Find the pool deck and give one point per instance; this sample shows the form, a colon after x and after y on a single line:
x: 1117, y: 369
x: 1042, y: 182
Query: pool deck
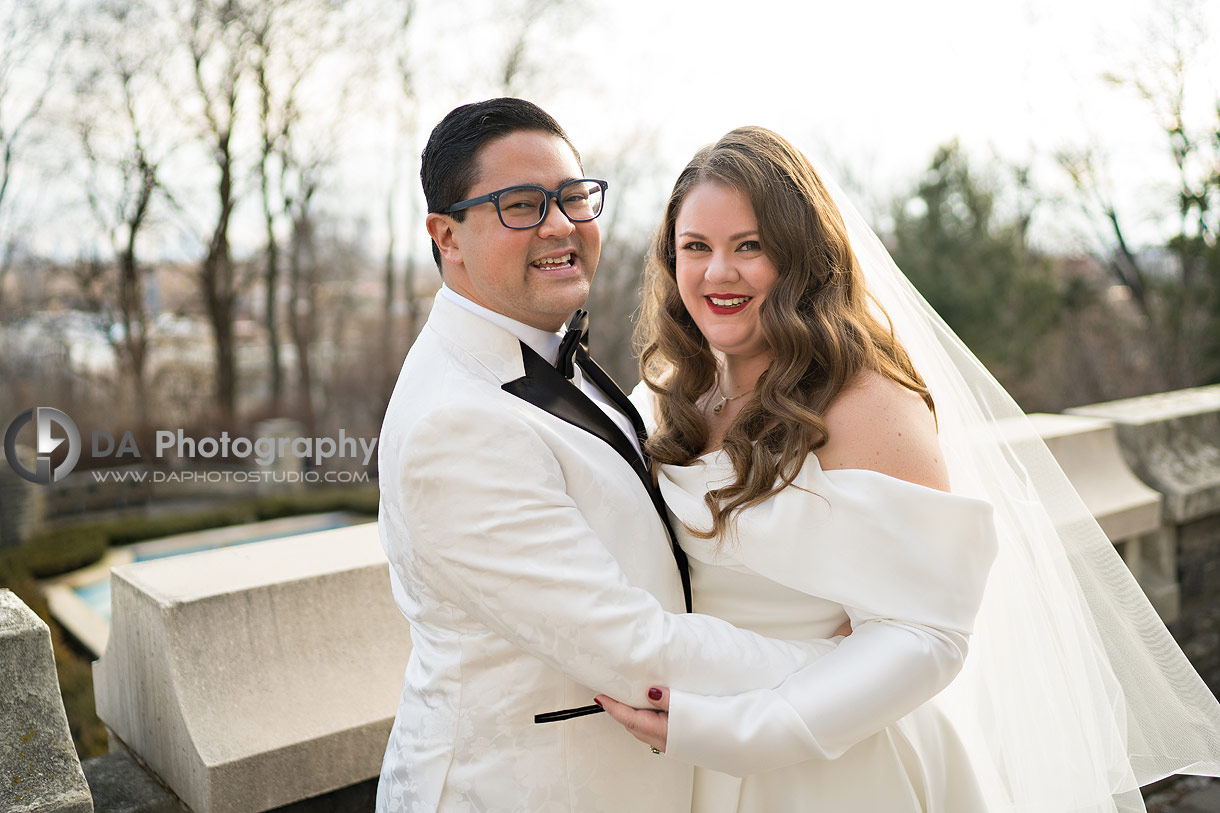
x: 93, y: 630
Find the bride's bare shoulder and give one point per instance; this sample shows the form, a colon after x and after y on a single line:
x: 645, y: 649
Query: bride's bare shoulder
x: 880, y: 425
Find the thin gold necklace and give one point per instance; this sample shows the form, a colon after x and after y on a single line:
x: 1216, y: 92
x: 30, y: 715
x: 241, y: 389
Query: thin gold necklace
x: 724, y: 399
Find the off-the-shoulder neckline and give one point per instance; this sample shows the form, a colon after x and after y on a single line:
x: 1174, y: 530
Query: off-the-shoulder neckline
x: 709, y: 456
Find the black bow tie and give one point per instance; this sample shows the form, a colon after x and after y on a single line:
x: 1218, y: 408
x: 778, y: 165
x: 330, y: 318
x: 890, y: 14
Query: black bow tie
x: 575, y: 341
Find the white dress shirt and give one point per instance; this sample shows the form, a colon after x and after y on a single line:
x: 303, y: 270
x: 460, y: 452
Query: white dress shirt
x: 546, y: 344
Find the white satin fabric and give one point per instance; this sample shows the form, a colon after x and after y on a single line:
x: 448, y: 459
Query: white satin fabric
x: 860, y: 729
x: 1074, y: 694
x: 535, y: 573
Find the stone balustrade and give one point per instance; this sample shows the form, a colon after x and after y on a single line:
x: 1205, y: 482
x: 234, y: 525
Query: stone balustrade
x: 1172, y: 442
x: 249, y: 678
x: 22, y: 503
x: 1087, y: 449
x: 39, y: 770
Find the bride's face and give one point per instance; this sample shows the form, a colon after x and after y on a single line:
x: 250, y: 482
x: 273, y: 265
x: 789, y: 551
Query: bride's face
x: 723, y: 275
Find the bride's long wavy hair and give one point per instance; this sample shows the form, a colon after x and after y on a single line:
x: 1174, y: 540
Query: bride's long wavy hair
x: 818, y: 320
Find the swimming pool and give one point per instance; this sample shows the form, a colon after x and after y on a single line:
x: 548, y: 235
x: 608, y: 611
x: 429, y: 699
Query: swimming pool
x: 80, y: 601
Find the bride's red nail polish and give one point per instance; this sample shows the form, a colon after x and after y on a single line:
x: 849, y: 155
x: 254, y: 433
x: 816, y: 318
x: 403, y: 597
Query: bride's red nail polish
x: 654, y: 694
x: 598, y: 702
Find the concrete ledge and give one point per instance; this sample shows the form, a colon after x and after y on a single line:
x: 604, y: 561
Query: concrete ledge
x: 1172, y: 442
x: 39, y: 769
x: 1087, y: 450
x: 93, y: 630
x: 252, y: 677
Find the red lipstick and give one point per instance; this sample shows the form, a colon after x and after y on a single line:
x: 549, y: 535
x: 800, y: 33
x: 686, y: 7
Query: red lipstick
x: 726, y: 310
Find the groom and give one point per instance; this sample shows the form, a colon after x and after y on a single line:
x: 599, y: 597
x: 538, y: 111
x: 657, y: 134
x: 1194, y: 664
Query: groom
x: 527, y: 543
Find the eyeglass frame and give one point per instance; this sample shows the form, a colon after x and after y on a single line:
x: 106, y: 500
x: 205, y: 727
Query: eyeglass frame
x: 547, y: 194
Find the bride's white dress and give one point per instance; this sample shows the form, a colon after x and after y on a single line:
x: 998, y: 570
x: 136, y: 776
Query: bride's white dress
x: 860, y: 730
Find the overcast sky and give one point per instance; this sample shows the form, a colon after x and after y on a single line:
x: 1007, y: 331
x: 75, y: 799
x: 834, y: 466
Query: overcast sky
x: 869, y: 89
x: 874, y: 87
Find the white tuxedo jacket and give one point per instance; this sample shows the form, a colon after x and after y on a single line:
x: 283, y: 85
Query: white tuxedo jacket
x: 535, y: 573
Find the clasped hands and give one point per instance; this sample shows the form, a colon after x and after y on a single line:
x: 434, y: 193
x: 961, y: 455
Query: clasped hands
x: 651, y: 726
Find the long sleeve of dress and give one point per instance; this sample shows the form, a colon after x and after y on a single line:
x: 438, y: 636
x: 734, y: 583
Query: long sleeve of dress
x: 907, y: 563
x: 499, y: 540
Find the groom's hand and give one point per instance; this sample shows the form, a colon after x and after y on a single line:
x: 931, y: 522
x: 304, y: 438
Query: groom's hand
x: 647, y: 726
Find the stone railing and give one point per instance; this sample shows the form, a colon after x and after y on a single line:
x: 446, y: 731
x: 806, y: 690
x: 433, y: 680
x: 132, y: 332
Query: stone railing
x: 38, y: 765
x: 1172, y: 442
x: 249, y: 678
x: 1087, y: 449
x: 253, y: 676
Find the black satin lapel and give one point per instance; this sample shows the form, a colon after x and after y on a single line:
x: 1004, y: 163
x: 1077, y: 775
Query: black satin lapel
x: 546, y: 388
x: 615, y: 393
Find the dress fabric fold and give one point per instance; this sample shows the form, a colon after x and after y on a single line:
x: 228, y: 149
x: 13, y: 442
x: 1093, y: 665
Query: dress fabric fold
x: 907, y: 565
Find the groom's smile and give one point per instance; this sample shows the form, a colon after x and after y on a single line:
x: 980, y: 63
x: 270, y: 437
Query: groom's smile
x: 557, y: 263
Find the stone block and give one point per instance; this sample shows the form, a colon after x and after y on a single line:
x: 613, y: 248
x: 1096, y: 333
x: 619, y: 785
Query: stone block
x: 39, y: 769
x: 1191, y: 580
x: 1172, y: 442
x: 1199, y: 539
x: 1211, y: 579
x: 1088, y: 452
x: 22, y: 503
x: 1203, y: 800
x: 1153, y: 560
x: 1128, y: 511
x: 251, y: 677
x: 121, y: 785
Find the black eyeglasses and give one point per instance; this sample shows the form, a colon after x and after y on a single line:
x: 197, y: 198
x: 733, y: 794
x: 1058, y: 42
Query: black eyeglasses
x: 524, y: 207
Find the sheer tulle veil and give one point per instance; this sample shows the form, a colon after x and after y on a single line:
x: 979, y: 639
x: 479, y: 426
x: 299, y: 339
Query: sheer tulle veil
x: 1074, y: 693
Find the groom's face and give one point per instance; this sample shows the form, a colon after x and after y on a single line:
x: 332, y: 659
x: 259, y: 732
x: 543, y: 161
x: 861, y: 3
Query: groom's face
x: 539, y: 275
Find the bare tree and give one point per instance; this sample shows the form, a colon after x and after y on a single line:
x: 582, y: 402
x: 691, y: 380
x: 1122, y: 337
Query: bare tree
x: 289, y: 41
x: 407, y: 125
x: 1175, y: 288
x: 275, y: 121
x: 218, y: 45
x: 32, y: 45
x: 124, y: 145
x: 524, y: 22
x: 614, y: 297
x: 302, y: 270
x: 305, y: 157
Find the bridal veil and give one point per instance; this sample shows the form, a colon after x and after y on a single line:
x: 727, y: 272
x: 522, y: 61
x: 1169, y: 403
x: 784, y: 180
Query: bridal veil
x: 1074, y: 693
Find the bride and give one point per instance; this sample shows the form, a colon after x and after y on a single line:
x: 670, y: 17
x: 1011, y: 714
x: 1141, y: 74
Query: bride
x: 831, y: 453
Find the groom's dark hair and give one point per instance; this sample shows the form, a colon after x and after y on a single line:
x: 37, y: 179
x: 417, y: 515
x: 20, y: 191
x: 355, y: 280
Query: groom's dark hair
x: 449, y: 165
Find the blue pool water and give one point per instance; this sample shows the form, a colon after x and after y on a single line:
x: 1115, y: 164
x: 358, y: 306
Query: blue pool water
x: 97, y: 594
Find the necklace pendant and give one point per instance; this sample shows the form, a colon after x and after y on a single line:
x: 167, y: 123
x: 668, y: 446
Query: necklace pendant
x: 716, y: 410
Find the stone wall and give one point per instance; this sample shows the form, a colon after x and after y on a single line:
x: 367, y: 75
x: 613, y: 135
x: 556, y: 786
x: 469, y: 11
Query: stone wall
x: 1171, y: 441
x: 1198, y: 628
x: 39, y: 770
x: 21, y: 505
